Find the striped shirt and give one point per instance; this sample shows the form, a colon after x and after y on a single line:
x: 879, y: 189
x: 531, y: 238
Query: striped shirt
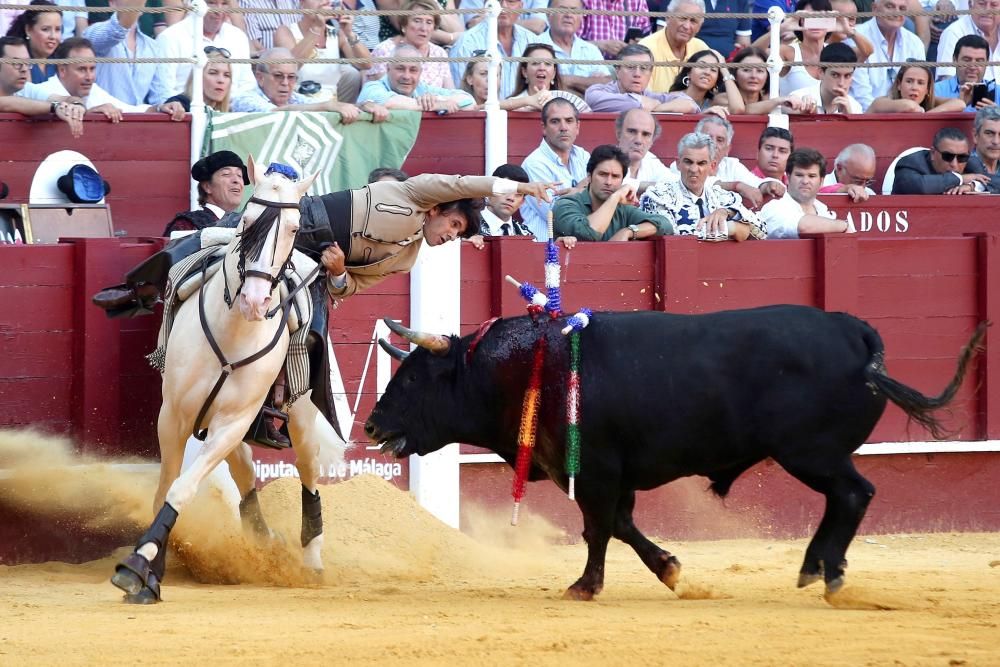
x: 261, y: 27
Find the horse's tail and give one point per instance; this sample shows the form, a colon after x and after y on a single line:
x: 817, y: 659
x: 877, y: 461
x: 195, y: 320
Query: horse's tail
x: 918, y: 407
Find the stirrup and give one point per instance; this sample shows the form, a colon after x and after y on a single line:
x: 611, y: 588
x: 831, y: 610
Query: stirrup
x: 264, y: 433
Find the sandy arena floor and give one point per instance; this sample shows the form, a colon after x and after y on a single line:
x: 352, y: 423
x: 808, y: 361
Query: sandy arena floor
x: 401, y: 588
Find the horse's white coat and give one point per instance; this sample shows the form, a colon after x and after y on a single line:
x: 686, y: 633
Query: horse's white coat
x: 192, y: 370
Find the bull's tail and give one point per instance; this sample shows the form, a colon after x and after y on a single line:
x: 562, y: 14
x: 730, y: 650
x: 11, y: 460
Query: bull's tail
x: 918, y: 407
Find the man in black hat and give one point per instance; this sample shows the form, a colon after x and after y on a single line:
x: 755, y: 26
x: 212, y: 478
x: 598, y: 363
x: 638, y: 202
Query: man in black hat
x: 221, y: 179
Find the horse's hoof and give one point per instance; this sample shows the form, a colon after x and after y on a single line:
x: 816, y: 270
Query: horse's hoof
x: 128, y: 581
x: 578, y: 594
x: 144, y: 596
x: 806, y: 578
x: 313, y: 575
x: 671, y: 573
x: 834, y: 585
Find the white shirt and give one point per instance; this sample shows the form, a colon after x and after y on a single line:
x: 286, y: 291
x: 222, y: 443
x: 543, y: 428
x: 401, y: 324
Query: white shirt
x: 652, y: 170
x: 781, y: 216
x: 175, y: 42
x: 797, y: 77
x: 97, y: 97
x: 962, y: 26
x: 813, y: 91
x: 730, y: 169
x: 872, y: 82
x: 493, y: 225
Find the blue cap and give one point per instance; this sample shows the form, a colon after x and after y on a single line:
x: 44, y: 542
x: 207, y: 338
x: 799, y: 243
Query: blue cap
x: 283, y: 169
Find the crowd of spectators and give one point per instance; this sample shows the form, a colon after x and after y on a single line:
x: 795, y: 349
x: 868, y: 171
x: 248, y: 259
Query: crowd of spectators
x: 703, y: 192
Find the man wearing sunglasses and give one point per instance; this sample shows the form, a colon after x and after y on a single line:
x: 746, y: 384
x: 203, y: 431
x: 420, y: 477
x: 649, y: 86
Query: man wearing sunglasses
x: 219, y: 38
x: 943, y: 169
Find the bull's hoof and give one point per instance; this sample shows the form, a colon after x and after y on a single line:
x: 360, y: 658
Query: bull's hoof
x: 671, y: 572
x: 144, y: 596
x: 806, y: 578
x: 834, y: 585
x: 578, y: 594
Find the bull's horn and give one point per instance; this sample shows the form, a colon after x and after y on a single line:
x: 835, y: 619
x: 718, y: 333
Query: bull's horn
x: 392, y: 350
x: 436, y: 343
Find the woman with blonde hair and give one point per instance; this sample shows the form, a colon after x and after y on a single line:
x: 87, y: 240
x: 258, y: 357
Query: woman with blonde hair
x: 417, y: 30
x: 325, y: 35
x: 912, y: 91
x: 216, y: 83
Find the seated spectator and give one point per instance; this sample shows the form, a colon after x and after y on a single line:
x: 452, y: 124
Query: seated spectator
x: 78, y: 80
x: 218, y: 36
x: 986, y: 157
x: 446, y: 34
x: 216, y: 84
x: 475, y: 82
x: 983, y: 25
x: 912, y: 92
x: 120, y: 37
x: 556, y: 160
x: 512, y: 40
x: 538, y: 81
x: 387, y: 174
x: 892, y: 42
x: 970, y: 56
x: 42, y: 30
x: 221, y: 178
x: 608, y: 33
x: 944, y: 169
x: 313, y: 36
x: 535, y: 22
x: 260, y: 28
x: 753, y: 84
x: 799, y: 212
x: 800, y: 43
x: 697, y: 207
x: 630, y: 89
x: 675, y: 42
x: 562, y: 36
x: 853, y: 173
x: 416, y: 31
x: 276, y: 92
x: 730, y: 173
x: 605, y: 211
x: 636, y: 130
x: 366, y: 27
x: 14, y: 78
x: 773, y: 148
x: 402, y: 89
x: 699, y: 82
x: 832, y: 92
x: 499, y: 214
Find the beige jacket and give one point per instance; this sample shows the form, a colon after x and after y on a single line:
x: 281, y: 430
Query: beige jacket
x: 387, y: 221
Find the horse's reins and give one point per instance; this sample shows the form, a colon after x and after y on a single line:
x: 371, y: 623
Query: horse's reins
x: 284, y: 306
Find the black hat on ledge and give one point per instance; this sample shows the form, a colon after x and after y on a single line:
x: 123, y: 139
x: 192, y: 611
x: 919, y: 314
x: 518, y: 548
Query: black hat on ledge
x: 204, y: 168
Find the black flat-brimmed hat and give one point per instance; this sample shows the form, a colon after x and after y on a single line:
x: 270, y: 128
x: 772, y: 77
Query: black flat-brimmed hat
x: 83, y: 185
x: 204, y: 168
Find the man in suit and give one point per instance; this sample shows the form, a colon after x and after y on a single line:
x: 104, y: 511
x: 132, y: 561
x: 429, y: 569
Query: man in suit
x: 943, y: 169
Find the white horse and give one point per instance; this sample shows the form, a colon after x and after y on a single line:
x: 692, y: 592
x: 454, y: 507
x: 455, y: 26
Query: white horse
x: 250, y: 347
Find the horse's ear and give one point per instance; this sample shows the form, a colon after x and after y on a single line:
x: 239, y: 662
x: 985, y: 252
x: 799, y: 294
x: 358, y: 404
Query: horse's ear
x: 306, y: 183
x: 252, y: 169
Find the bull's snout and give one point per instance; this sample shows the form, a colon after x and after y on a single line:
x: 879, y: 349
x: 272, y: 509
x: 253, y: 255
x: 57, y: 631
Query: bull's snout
x: 370, y: 429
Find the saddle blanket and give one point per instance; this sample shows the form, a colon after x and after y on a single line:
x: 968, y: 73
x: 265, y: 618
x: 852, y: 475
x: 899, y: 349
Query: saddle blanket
x: 185, y: 280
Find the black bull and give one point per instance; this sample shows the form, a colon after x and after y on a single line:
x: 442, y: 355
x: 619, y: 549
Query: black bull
x: 663, y: 397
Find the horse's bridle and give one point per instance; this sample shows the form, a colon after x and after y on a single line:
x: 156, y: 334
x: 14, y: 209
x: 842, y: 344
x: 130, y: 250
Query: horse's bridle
x: 284, y: 306
x: 269, y: 211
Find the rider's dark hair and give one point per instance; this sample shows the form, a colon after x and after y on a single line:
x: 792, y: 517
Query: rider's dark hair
x: 472, y: 209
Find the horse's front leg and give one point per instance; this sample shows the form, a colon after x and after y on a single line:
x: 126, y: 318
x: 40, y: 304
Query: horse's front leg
x: 140, y: 573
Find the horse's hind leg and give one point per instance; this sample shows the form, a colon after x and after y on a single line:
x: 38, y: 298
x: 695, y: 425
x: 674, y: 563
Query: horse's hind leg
x: 240, y: 462
x: 303, y: 425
